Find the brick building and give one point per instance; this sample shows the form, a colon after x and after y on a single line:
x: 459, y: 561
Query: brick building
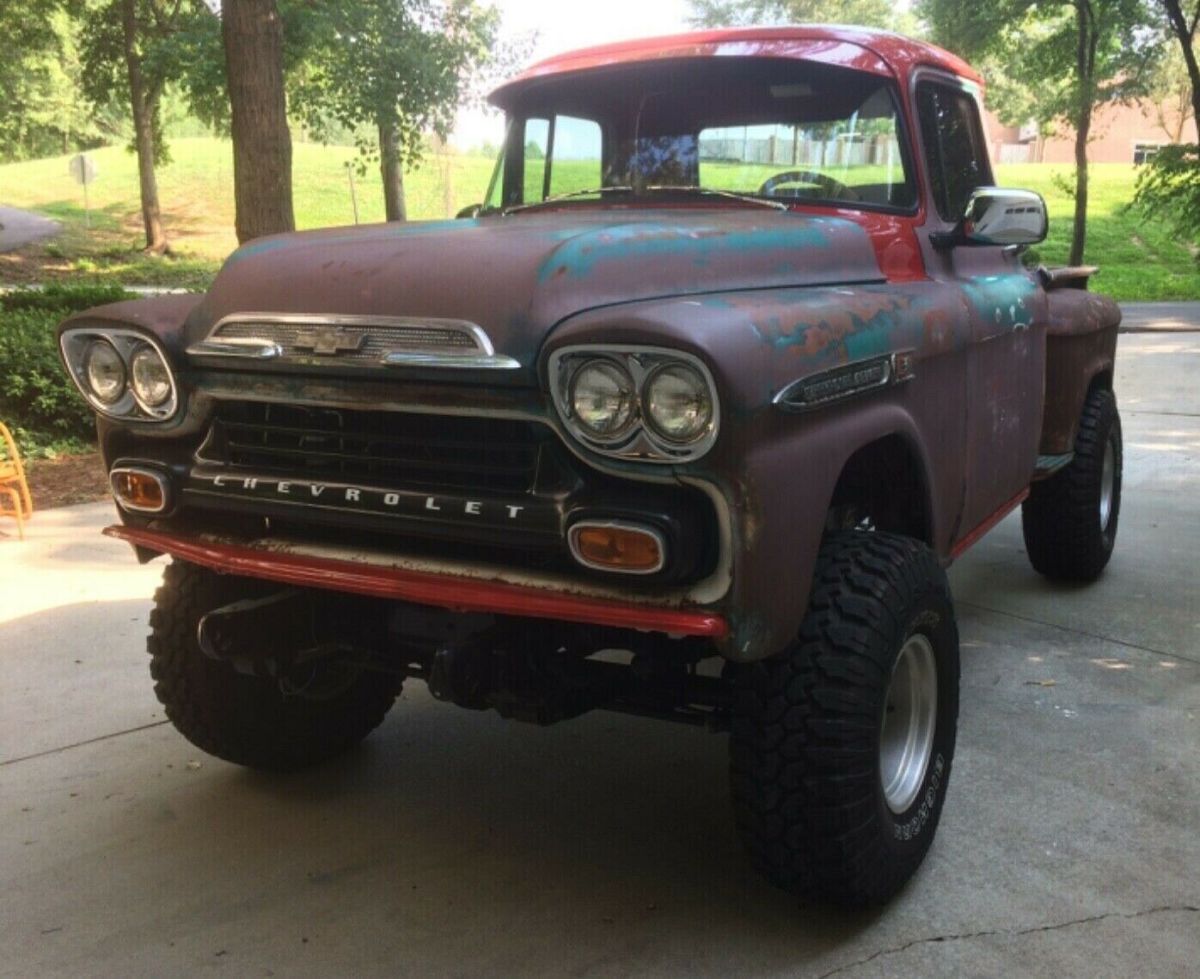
x: 1120, y: 134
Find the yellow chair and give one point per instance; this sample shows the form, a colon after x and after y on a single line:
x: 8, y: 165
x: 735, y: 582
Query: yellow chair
x: 15, y: 500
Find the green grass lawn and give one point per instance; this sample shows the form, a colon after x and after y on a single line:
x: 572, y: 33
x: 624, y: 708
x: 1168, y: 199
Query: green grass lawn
x: 196, y: 192
x: 1140, y: 258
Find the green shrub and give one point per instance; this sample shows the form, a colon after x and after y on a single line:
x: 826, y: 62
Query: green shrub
x: 37, y: 399
x: 1168, y: 186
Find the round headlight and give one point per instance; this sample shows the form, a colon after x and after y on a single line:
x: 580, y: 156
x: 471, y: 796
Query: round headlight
x: 150, y: 378
x: 679, y: 405
x: 602, y: 398
x: 105, y: 371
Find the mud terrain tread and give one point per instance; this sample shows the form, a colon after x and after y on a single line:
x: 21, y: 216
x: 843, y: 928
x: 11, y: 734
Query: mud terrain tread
x: 804, y: 744
x: 242, y: 719
x: 1060, y: 520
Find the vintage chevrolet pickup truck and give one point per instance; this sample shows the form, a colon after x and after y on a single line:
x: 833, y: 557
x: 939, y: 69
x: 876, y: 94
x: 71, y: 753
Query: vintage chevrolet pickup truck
x: 686, y: 419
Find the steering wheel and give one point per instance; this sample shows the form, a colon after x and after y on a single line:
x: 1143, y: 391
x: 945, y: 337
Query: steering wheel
x: 834, y: 189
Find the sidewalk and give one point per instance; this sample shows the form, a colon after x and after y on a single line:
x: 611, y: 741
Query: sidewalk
x: 19, y: 228
x: 1169, y: 317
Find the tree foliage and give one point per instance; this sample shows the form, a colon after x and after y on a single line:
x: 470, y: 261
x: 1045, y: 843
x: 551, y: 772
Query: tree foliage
x: 1170, y: 95
x: 392, y: 70
x: 1182, y: 22
x: 41, y: 109
x: 864, y: 13
x: 1060, y: 60
x: 1168, y: 187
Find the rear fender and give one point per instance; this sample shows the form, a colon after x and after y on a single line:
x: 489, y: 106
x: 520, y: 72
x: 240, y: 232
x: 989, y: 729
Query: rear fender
x: 1081, y: 346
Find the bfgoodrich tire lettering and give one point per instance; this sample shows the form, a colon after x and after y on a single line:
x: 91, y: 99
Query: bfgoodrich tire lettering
x: 1070, y: 519
x: 805, y: 749
x: 247, y: 719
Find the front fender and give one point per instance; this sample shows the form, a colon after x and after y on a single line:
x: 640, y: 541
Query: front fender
x: 776, y: 470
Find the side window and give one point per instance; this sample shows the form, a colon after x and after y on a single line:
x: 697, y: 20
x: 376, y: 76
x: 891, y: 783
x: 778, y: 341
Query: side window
x: 537, y: 144
x: 575, y: 160
x: 955, y: 150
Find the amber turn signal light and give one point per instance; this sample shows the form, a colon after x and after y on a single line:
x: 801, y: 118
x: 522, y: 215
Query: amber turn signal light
x: 621, y: 547
x: 139, y: 489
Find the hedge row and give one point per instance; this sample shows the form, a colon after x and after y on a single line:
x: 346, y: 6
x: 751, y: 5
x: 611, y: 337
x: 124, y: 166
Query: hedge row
x: 37, y: 399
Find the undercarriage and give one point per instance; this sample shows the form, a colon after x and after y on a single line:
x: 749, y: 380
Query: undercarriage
x: 314, y: 643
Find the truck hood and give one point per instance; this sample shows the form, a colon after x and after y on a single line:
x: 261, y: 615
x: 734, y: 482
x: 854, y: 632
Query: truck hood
x: 517, y: 276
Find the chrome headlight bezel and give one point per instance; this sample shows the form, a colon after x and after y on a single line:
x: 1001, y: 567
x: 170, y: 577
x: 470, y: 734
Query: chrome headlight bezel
x: 74, y: 344
x: 639, y: 441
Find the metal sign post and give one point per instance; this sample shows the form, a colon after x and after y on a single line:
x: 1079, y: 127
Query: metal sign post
x: 83, y: 169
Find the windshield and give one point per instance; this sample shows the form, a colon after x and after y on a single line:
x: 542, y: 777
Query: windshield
x: 775, y: 129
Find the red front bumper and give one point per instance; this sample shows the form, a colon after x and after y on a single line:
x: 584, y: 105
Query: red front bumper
x: 422, y: 588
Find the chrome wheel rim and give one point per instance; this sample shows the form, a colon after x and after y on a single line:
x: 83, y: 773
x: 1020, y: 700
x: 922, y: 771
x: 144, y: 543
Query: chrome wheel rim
x: 1108, y: 483
x: 909, y: 721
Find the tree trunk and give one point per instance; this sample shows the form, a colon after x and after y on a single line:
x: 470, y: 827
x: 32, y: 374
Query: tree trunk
x: 1085, y: 61
x: 262, y: 145
x: 1186, y: 38
x: 143, y: 102
x: 393, y: 174
x: 1083, y: 124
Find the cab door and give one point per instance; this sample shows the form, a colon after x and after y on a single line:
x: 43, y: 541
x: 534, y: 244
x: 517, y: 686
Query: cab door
x: 1001, y: 301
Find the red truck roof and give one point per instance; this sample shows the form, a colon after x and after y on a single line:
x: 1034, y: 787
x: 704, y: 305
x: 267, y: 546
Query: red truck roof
x: 880, y: 52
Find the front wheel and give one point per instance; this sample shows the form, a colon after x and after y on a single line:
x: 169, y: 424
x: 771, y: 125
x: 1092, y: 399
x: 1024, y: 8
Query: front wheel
x: 841, y: 744
x: 252, y: 720
x: 1070, y: 520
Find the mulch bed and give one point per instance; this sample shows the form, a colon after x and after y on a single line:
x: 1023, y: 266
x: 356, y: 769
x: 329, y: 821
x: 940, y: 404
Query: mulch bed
x: 66, y: 480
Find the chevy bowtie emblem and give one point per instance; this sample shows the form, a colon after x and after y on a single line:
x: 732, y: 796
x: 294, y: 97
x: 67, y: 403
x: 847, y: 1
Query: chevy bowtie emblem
x: 328, y: 341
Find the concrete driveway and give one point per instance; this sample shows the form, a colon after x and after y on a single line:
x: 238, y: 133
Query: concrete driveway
x: 453, y: 843
x: 19, y: 228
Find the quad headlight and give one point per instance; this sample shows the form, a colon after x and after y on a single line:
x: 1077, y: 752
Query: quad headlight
x: 640, y: 403
x: 122, y: 373
x: 105, y: 371
x: 603, y: 398
x: 678, y: 402
x: 151, y: 378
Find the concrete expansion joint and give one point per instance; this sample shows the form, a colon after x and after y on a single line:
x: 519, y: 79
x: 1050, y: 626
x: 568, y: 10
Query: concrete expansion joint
x: 79, y: 744
x: 1080, y: 632
x: 1012, y: 933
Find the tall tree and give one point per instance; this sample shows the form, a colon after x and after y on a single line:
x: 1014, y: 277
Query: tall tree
x: 1170, y: 96
x: 127, y: 55
x: 1064, y: 57
x: 262, y: 144
x: 1183, y: 24
x: 400, y: 67
x: 864, y: 13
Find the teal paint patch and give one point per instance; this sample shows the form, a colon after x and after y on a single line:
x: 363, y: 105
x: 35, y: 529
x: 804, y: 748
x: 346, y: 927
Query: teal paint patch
x: 581, y: 254
x: 1002, y: 301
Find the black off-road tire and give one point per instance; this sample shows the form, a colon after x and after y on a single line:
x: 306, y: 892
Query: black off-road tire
x: 805, y: 752
x: 1066, y: 535
x: 248, y: 720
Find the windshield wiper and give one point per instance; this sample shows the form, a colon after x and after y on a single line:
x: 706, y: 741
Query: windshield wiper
x: 710, y: 191
x: 598, y: 191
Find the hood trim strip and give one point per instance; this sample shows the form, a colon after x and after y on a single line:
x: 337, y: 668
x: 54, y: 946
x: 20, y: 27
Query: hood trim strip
x: 476, y: 353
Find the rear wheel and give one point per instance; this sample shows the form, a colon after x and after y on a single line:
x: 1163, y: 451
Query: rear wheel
x: 841, y: 744
x: 262, y: 722
x: 1070, y: 519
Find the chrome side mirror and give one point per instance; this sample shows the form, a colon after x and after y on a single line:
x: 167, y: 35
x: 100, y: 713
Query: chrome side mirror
x: 996, y: 216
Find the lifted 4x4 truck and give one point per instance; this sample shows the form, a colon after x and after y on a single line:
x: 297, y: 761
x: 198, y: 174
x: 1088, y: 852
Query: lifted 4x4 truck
x: 686, y: 419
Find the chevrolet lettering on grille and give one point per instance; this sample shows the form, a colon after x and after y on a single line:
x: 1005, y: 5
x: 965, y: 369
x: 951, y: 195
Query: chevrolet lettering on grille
x: 329, y: 341
x: 375, y: 500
